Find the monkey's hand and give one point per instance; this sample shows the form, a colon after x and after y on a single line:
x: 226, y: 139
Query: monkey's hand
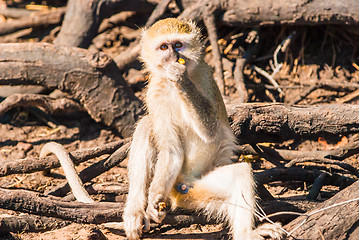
x: 157, y: 207
x: 175, y: 70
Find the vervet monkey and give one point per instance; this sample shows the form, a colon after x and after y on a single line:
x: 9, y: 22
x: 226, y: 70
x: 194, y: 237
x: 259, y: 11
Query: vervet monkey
x: 181, y: 149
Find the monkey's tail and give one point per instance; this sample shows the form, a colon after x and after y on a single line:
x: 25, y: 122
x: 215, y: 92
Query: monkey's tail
x: 68, y: 166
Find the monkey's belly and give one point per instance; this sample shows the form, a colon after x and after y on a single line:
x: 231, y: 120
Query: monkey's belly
x: 198, y: 159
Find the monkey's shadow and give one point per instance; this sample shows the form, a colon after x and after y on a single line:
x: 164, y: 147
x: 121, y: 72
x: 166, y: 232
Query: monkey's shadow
x: 161, y: 234
x: 207, y: 236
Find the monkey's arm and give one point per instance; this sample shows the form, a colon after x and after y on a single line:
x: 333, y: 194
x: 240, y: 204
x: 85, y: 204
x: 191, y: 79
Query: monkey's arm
x: 169, y: 163
x: 199, y: 110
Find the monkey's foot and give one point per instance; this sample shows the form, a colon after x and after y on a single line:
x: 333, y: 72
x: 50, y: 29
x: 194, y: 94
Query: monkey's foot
x: 268, y: 231
x: 134, y: 224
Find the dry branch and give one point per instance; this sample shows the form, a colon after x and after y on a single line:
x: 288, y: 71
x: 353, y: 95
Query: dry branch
x: 49, y: 104
x: 51, y: 17
x: 30, y: 202
x: 29, y: 165
x: 93, y: 79
x: 99, y: 212
x: 253, y: 123
x: 299, y: 174
x: 269, y: 12
x: 29, y: 223
x: 210, y: 23
x: 343, y: 165
x: 339, y: 153
x: 83, y: 18
x: 330, y: 221
x: 15, y: 12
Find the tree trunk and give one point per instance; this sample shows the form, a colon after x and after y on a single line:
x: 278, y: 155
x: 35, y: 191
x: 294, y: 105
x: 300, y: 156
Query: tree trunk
x: 253, y: 123
x: 341, y: 221
x: 93, y: 79
x: 83, y: 18
x: 269, y: 12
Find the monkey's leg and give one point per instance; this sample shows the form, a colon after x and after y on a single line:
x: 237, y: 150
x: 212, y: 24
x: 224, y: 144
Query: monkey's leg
x: 142, y: 156
x: 169, y: 163
x: 228, y: 193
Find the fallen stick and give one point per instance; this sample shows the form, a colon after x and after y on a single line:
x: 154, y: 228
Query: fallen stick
x: 29, y: 165
x: 49, y: 104
x: 299, y: 174
x: 92, y: 79
x: 262, y: 122
x: 271, y: 12
x: 31, y: 202
x: 336, y: 218
x: 339, y: 153
x: 100, y: 212
x: 40, y: 19
x: 29, y: 223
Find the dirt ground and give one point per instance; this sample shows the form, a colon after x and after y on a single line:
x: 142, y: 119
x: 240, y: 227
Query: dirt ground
x: 317, y: 55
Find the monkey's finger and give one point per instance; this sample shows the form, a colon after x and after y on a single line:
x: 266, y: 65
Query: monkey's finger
x: 161, y: 206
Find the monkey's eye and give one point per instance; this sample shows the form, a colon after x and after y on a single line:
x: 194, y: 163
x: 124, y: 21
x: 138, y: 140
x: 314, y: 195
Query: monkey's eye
x: 178, y: 45
x: 163, y: 47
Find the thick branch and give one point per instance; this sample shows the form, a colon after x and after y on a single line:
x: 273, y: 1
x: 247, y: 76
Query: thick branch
x: 299, y: 174
x: 83, y: 18
x: 29, y: 165
x: 51, y: 105
x: 34, y: 20
x: 269, y: 12
x: 93, y: 79
x: 253, y: 123
x: 29, y: 223
x: 339, y: 153
x: 99, y: 212
x: 334, y: 219
x: 30, y: 202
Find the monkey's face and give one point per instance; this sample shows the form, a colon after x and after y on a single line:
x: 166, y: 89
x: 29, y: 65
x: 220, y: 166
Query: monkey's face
x: 169, y: 40
x: 160, y: 53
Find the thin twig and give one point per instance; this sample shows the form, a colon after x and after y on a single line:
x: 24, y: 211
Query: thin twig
x: 269, y: 77
x: 343, y: 165
x: 209, y: 21
x: 321, y: 210
x: 158, y: 12
x: 39, y: 164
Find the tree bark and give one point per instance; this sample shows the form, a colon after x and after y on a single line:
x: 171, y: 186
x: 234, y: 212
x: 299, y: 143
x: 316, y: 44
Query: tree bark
x: 39, y: 19
x: 83, y: 18
x: 30, y: 202
x: 269, y: 12
x: 30, y: 223
x: 336, y: 222
x: 29, y: 165
x: 257, y: 122
x: 93, y: 79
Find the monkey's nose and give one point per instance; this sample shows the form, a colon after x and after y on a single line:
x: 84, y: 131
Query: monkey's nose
x: 177, y: 56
